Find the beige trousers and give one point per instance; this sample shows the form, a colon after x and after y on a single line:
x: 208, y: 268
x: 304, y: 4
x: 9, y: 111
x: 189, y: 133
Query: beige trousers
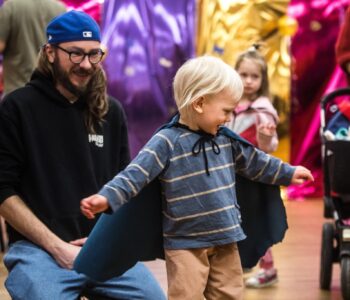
x: 214, y: 273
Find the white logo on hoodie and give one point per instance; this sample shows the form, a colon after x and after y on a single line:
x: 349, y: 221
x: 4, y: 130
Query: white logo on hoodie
x: 97, y: 139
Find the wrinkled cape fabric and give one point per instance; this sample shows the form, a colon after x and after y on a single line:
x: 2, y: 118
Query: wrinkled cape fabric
x: 134, y: 232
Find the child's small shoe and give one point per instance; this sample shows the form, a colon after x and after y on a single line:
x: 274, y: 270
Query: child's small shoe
x: 264, y: 278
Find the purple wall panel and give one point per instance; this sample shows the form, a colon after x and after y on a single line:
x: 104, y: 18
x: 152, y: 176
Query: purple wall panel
x: 147, y: 40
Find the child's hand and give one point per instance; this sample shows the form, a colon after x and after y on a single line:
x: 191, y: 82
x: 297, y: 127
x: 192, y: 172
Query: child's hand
x: 92, y: 205
x: 267, y: 128
x: 301, y: 174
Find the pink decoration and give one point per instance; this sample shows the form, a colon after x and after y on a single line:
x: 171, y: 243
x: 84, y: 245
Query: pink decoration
x: 92, y: 7
x: 315, y: 74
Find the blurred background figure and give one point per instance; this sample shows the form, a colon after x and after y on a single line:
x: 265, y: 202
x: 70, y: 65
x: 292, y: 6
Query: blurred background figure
x: 22, y: 33
x: 255, y: 119
x: 342, y: 48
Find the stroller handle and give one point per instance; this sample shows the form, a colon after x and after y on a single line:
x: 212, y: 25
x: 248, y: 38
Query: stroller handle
x: 334, y: 94
x: 329, y: 97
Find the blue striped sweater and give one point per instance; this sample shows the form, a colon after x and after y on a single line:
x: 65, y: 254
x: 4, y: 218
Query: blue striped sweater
x: 197, y: 174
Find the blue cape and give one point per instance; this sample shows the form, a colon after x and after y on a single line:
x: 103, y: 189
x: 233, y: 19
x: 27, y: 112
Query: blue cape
x: 134, y: 232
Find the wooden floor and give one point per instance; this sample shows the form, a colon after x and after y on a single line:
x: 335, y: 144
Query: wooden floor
x: 297, y: 260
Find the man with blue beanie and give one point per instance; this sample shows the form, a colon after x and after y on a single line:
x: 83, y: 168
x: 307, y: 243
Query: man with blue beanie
x: 61, y: 138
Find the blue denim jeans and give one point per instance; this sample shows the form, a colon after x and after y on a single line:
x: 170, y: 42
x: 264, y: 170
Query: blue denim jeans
x: 35, y: 275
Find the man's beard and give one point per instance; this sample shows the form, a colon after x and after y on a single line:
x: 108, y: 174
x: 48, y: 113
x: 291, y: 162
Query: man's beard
x: 62, y: 77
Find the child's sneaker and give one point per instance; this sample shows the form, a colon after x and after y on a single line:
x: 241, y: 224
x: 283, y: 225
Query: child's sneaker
x: 262, y: 279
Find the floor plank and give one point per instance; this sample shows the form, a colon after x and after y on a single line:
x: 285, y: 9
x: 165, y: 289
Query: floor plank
x: 297, y: 260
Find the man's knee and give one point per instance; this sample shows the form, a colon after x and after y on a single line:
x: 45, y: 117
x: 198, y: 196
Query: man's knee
x: 20, y: 285
x: 148, y: 285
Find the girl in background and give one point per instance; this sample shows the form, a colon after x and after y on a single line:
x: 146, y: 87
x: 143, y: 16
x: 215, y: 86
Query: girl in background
x: 255, y: 119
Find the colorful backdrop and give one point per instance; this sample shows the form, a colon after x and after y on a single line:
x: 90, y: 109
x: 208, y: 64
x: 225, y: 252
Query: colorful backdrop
x: 314, y: 74
x: 147, y: 40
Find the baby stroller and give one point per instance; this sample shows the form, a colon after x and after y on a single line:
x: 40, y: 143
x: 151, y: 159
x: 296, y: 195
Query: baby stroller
x: 335, y: 138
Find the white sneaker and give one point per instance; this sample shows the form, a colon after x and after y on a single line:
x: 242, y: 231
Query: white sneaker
x: 262, y: 279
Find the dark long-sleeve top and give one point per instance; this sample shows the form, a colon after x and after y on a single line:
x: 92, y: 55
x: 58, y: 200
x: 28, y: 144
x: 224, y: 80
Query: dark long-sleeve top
x: 197, y: 174
x: 48, y: 158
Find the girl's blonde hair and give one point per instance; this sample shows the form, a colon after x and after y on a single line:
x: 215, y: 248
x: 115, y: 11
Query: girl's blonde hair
x: 253, y: 54
x: 204, y: 76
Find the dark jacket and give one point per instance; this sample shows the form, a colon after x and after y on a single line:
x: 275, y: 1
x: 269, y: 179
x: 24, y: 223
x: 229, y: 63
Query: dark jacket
x: 48, y: 158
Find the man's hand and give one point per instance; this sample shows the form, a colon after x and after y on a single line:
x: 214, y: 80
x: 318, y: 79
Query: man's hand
x: 66, y: 253
x: 79, y: 242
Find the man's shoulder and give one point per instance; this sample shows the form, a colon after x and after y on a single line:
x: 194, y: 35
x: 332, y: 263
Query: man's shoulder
x: 115, y: 107
x: 15, y: 103
x: 114, y: 102
x: 21, y: 7
x: 20, y: 95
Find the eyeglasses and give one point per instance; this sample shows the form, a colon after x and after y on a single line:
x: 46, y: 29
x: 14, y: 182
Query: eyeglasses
x: 76, y: 56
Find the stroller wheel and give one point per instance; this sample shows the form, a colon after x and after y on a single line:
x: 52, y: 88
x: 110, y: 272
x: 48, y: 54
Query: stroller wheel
x: 328, y: 207
x: 345, y: 277
x: 326, y: 255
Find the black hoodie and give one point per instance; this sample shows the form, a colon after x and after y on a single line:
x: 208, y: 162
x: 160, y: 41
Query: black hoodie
x: 48, y: 158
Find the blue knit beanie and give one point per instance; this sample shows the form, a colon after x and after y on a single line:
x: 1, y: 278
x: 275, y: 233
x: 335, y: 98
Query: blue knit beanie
x: 72, y: 26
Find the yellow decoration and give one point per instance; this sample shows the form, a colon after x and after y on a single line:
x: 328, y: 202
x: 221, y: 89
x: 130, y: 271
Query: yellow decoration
x: 287, y: 26
x: 229, y: 27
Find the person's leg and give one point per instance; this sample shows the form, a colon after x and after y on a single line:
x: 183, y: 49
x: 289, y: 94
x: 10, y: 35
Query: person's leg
x: 266, y: 262
x: 136, y: 283
x: 34, y: 274
x: 266, y: 276
x: 187, y: 272
x: 226, y: 275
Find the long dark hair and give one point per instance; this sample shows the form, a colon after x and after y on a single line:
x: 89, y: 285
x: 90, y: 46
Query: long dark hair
x: 96, y: 94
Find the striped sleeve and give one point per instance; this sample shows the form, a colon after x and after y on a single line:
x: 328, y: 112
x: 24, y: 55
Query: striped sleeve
x: 146, y: 166
x: 256, y: 165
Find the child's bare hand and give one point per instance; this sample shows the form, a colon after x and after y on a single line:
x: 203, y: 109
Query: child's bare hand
x: 267, y: 128
x: 301, y: 174
x: 92, y: 205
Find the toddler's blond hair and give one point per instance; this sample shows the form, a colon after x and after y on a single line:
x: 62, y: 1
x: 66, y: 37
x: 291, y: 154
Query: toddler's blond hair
x: 204, y: 76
